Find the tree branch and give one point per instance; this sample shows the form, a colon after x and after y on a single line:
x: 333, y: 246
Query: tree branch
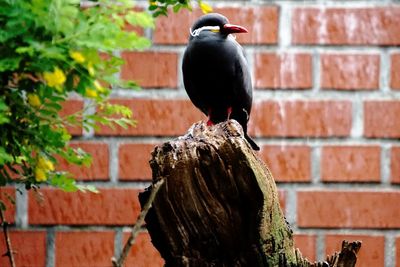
x: 9, y: 252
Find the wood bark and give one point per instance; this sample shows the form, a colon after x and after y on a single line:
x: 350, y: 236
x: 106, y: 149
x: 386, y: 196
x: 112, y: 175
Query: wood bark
x: 219, y: 205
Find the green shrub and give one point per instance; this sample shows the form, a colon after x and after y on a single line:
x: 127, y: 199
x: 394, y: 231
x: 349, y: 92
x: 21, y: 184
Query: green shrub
x: 50, y: 50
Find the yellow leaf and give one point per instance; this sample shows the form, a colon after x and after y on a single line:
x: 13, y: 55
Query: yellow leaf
x: 45, y: 164
x: 55, y: 78
x: 90, y: 69
x: 206, y: 8
x: 77, y: 56
x: 90, y: 93
x: 34, y: 100
x: 98, y: 86
x: 40, y: 175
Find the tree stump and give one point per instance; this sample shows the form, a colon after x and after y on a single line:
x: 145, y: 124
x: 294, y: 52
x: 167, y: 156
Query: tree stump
x: 219, y: 204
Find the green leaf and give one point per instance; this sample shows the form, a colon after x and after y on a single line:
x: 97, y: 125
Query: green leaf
x: 124, y: 122
x: 176, y: 8
x: 25, y: 50
x: 4, y: 156
x: 153, y: 7
x: 10, y: 63
x: 63, y: 181
x: 141, y: 19
x: 4, y: 111
x: 89, y: 188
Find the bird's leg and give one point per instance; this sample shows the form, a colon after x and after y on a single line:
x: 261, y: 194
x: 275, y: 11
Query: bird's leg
x: 209, y: 122
x: 229, y: 110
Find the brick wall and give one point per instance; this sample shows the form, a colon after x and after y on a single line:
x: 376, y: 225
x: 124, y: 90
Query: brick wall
x: 326, y: 114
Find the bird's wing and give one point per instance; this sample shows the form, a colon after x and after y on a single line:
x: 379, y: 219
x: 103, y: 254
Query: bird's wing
x: 243, y: 91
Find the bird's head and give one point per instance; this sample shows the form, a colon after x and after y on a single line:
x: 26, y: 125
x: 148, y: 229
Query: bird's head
x: 216, y: 23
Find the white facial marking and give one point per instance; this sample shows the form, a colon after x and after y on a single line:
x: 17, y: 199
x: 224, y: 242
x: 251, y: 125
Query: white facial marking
x: 204, y: 28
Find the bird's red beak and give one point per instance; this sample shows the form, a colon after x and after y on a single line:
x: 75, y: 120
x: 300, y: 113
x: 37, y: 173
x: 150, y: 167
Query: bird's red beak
x: 230, y: 28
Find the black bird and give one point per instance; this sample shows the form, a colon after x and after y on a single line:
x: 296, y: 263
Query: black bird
x: 215, y: 72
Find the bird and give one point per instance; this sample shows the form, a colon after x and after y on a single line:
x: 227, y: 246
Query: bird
x: 215, y: 73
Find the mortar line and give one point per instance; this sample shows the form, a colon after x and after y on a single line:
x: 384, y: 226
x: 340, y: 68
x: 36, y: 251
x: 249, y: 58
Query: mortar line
x: 357, y: 127
x: 284, y: 26
x: 390, y: 249
x: 250, y: 58
x: 297, y: 230
x: 266, y: 93
x: 384, y: 71
x: 50, y: 247
x: 21, y: 206
x: 118, y: 242
x: 316, y: 152
x: 316, y: 71
x: 320, y: 246
x: 308, y: 141
x: 385, y: 164
x: 113, y: 161
x: 291, y: 208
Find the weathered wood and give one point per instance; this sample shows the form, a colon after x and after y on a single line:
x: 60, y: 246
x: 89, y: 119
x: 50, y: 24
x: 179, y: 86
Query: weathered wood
x: 347, y: 257
x: 219, y: 205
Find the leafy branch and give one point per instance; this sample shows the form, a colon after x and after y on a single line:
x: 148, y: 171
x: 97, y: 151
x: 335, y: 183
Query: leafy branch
x: 48, y: 51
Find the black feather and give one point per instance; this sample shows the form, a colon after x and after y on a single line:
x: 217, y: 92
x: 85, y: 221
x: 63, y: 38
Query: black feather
x: 216, y: 75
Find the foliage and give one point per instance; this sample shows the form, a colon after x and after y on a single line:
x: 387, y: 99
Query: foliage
x: 51, y: 50
x: 160, y: 7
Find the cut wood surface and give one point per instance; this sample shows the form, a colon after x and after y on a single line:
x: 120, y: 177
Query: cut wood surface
x: 219, y: 205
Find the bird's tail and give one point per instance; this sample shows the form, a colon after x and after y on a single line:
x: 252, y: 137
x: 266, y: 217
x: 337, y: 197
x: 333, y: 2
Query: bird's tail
x: 251, y: 142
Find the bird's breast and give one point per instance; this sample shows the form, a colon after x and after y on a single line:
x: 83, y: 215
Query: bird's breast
x: 213, y: 72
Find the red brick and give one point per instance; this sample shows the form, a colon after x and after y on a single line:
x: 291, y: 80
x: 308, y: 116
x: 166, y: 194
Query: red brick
x: 350, y: 71
x: 306, y: 244
x: 134, y: 161
x: 370, y: 254
x: 395, y: 165
x: 395, y: 71
x: 143, y: 253
x: 151, y: 69
x: 348, y: 209
x: 301, y: 118
x: 260, y: 21
x: 351, y: 26
x: 350, y: 164
x: 70, y: 107
x: 98, y: 170
x: 157, y: 117
x: 30, y: 248
x: 84, y: 248
x: 286, y: 70
x: 111, y: 206
x: 7, y: 196
x: 381, y: 119
x: 288, y: 163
